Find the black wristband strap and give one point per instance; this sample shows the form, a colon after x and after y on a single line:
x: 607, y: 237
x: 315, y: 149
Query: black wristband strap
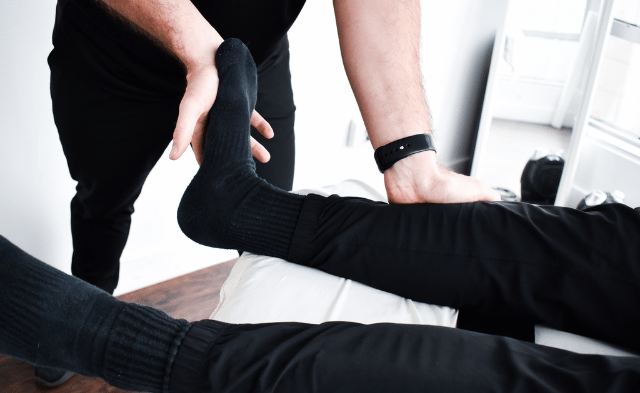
x: 395, y: 151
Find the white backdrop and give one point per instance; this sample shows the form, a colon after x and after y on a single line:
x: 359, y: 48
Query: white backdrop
x: 35, y: 186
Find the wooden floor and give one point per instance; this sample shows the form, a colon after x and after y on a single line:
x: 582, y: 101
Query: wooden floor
x: 192, y: 297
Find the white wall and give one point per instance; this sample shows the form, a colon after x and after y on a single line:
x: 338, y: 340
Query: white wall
x: 457, y: 37
x: 35, y: 187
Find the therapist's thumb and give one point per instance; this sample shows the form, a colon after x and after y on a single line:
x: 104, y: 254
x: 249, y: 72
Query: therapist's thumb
x: 192, y: 111
x: 201, y: 91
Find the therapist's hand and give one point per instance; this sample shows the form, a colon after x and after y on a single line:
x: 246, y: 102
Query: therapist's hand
x: 181, y: 29
x: 201, y: 91
x: 419, y: 179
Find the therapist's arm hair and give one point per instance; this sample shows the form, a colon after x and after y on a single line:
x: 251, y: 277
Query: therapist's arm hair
x: 176, y: 25
x: 380, y: 45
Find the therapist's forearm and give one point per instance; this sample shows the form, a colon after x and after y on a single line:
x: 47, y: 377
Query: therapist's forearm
x: 177, y: 25
x: 380, y: 45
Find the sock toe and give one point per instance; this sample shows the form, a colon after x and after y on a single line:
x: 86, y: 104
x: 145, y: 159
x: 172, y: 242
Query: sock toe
x: 233, y: 50
x: 234, y: 59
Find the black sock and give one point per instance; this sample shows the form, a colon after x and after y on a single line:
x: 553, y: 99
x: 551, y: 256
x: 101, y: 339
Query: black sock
x: 227, y: 205
x: 53, y: 319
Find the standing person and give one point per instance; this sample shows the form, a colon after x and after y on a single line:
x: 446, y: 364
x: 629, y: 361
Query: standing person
x: 129, y: 76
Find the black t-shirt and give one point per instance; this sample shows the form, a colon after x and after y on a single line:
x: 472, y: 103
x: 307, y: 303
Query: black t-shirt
x: 92, y: 42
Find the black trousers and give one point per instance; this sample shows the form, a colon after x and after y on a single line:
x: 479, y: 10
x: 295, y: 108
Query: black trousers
x: 348, y: 357
x: 115, y: 115
x: 54, y: 319
x: 568, y: 269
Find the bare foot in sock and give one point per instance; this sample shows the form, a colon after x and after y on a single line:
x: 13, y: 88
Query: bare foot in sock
x: 227, y: 205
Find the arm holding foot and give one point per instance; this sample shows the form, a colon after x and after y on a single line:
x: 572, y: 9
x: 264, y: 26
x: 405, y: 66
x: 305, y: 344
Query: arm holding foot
x: 380, y: 43
x: 178, y: 26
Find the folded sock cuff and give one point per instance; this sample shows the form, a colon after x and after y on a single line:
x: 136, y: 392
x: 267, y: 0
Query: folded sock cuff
x: 188, y: 373
x: 266, y: 222
x: 141, y: 348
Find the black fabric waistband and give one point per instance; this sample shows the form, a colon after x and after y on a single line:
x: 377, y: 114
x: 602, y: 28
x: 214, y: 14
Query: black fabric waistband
x: 189, y: 369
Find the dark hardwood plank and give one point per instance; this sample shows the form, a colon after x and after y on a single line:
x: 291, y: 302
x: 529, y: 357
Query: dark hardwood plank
x: 192, y: 297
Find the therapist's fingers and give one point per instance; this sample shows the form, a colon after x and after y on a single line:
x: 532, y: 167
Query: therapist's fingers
x: 201, y: 91
x: 259, y: 152
x: 192, y: 117
x: 189, y: 114
x: 261, y: 125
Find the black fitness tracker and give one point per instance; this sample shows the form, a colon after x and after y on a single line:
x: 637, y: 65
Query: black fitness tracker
x: 395, y: 151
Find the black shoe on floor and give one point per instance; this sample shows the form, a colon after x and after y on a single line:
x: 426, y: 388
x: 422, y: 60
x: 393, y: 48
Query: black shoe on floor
x: 50, y: 376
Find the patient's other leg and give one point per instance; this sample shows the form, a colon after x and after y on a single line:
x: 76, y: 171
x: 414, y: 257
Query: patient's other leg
x: 348, y: 357
x: 51, y: 318
x: 572, y: 270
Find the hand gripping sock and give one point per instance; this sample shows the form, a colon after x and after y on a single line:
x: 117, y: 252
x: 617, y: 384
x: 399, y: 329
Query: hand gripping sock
x: 227, y: 205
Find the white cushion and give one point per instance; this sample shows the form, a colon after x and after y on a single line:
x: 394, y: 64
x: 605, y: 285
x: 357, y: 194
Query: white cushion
x: 265, y: 289
x: 573, y: 342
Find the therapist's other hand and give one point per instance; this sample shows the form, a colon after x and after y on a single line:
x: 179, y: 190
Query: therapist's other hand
x: 199, y: 96
x: 419, y: 179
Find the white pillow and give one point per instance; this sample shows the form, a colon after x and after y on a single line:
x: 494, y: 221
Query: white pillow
x: 573, y: 342
x: 266, y: 289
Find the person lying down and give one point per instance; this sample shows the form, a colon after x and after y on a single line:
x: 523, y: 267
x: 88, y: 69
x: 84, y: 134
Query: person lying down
x: 571, y: 270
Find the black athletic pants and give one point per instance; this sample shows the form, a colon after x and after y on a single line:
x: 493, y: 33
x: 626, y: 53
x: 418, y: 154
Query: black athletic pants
x: 572, y: 270
x: 48, y: 317
x: 115, y: 115
x: 348, y: 358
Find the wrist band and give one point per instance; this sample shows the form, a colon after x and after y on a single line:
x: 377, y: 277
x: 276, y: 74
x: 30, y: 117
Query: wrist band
x: 395, y: 151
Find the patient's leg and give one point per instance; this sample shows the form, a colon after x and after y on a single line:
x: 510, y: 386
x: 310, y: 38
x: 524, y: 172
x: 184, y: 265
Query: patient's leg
x: 572, y: 270
x: 349, y: 357
x: 54, y: 319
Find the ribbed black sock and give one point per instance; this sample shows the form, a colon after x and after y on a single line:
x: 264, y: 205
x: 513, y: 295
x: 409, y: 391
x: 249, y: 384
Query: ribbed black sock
x: 53, y: 319
x: 227, y: 205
